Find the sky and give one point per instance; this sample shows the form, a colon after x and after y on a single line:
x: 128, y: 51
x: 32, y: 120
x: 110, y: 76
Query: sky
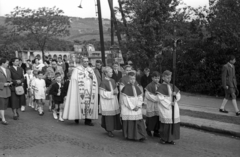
x: 70, y: 7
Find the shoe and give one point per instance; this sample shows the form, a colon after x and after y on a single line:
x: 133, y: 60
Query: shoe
x: 32, y: 106
x: 110, y: 134
x: 162, y: 141
x: 4, y: 122
x: 0, y: 119
x: 142, y: 140
x: 149, y: 133
x: 23, y: 108
x: 76, y: 121
x: 156, y: 135
x: 223, y: 110
x: 171, y: 142
x: 60, y: 117
x: 15, y: 117
x: 55, y: 115
x: 89, y: 124
x: 238, y: 113
x: 41, y: 113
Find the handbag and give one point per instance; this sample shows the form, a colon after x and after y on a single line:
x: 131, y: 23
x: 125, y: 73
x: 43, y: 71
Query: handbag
x: 19, y: 90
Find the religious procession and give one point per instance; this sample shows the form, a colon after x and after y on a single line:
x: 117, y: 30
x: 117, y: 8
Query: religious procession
x: 86, y: 93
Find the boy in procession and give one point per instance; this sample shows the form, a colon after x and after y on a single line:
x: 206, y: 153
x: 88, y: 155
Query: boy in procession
x: 169, y: 131
x: 151, y: 101
x: 109, y: 103
x: 131, y: 110
x: 56, y: 92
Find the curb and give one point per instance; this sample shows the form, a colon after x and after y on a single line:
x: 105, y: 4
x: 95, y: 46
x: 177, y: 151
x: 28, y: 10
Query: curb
x: 210, y: 129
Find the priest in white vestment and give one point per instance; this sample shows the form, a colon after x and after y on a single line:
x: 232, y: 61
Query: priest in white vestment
x: 82, y: 96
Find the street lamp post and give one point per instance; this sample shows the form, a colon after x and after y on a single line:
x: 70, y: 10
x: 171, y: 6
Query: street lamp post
x: 100, y: 30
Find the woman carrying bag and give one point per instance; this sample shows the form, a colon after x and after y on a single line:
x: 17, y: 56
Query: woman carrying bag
x: 5, y: 92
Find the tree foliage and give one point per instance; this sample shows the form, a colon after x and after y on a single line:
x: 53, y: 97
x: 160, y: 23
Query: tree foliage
x: 40, y: 25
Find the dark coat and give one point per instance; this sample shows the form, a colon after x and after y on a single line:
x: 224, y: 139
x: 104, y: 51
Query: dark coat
x: 228, y: 76
x: 54, y: 91
x: 145, y: 80
x: 5, y: 92
x: 17, y: 100
x: 117, y: 76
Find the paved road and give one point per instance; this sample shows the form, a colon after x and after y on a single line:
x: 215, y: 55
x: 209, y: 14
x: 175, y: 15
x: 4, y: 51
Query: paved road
x: 36, y: 136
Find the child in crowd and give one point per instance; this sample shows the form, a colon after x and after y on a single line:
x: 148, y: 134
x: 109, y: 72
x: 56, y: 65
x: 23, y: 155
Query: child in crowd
x: 169, y: 127
x: 28, y: 77
x: 48, y: 81
x: 131, y: 110
x: 57, y: 94
x: 32, y: 83
x: 151, y: 101
x: 39, y: 92
x: 109, y: 103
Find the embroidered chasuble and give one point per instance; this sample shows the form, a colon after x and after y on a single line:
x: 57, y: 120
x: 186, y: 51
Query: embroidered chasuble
x: 82, y: 95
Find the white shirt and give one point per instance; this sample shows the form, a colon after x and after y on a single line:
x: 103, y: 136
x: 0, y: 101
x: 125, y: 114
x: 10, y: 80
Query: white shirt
x: 15, y: 67
x: 4, y: 70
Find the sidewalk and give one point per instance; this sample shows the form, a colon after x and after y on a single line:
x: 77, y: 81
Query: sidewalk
x: 205, y: 105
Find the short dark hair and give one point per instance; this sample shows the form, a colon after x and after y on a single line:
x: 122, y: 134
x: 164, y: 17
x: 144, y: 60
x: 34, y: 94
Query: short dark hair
x: 40, y: 72
x: 47, y: 62
x: 14, y: 59
x: 155, y: 74
x: 231, y: 57
x: 115, y: 63
x: 127, y: 66
x: 57, y: 74
x: 131, y: 73
x: 54, y: 60
x: 99, y: 61
x: 3, y: 60
x: 28, y: 60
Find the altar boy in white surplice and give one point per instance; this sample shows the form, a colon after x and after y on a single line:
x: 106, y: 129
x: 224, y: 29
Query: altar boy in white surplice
x: 131, y: 110
x: 109, y: 103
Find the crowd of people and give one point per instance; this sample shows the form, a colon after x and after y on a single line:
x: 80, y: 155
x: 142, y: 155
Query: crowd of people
x: 86, y: 92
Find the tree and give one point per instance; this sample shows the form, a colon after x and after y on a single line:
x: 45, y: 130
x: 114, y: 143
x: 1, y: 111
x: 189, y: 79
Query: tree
x: 41, y: 25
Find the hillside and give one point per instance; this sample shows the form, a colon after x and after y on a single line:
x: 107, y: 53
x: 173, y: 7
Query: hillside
x: 83, y: 28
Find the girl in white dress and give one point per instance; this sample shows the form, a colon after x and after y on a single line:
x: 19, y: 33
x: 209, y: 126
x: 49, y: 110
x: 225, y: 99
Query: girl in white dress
x: 39, y: 92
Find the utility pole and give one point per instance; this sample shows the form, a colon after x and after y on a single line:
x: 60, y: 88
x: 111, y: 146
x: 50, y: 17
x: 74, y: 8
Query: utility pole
x: 112, y: 24
x: 101, y: 32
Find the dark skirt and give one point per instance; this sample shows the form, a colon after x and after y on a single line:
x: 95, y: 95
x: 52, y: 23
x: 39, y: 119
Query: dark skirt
x: 134, y: 129
x: 16, y: 101
x: 153, y: 123
x: 166, y: 132
x: 111, y: 123
x: 4, y: 103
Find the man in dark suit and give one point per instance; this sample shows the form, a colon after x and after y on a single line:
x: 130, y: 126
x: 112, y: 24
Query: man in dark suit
x: 230, y: 85
x: 17, y: 77
x: 146, y: 78
x: 22, y: 65
x: 117, y: 75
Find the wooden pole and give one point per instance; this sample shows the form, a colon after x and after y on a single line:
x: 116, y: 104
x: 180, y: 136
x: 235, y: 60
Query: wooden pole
x: 174, y: 77
x: 101, y: 32
x: 112, y: 23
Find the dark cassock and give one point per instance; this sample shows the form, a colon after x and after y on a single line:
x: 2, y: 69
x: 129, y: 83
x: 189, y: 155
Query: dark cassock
x: 17, y: 101
x: 152, y: 110
x: 109, y: 105
x: 164, y: 94
x: 133, y: 124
